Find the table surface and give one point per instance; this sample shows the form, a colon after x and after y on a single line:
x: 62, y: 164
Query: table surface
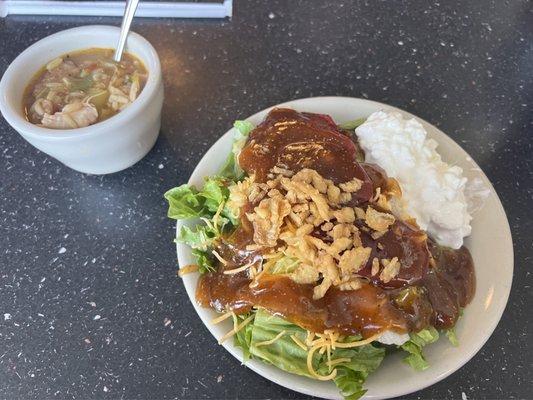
x: 91, y: 304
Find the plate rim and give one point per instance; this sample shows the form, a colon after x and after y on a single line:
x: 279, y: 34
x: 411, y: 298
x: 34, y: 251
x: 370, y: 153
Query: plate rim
x: 256, y: 365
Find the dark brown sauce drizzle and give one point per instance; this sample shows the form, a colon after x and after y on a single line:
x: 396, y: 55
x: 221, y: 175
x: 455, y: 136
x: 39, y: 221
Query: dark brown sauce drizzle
x: 433, y: 283
x: 297, y: 140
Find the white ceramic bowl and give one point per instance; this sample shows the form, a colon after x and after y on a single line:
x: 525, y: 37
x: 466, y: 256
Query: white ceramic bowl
x: 490, y: 244
x: 103, y: 148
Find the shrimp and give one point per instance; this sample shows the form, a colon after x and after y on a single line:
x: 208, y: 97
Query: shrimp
x: 75, y: 115
x: 134, y: 89
x: 41, y: 107
x: 118, y: 100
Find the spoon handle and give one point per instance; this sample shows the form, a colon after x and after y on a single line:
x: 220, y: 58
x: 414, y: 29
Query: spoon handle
x: 129, y: 12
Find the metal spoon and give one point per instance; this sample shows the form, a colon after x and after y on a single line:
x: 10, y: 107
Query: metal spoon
x: 129, y: 12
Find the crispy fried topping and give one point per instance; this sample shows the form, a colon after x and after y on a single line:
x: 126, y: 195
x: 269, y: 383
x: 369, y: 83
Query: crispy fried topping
x: 353, y: 186
x: 377, y: 220
x: 353, y: 284
x: 291, y: 207
x: 239, y: 195
x: 304, y: 274
x: 375, y: 267
x: 353, y: 260
x: 267, y: 220
x: 391, y: 268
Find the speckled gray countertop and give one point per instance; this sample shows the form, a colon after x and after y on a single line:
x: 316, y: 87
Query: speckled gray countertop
x: 90, y: 306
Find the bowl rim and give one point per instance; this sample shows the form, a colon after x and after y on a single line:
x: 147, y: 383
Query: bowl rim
x: 289, y: 381
x: 11, y: 111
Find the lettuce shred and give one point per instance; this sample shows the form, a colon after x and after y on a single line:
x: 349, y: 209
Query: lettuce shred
x: 415, y: 345
x: 186, y: 202
x: 231, y: 168
x: 351, y: 125
x: 452, y: 337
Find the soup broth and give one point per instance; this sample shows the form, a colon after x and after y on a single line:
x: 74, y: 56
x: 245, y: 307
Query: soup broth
x: 82, y: 88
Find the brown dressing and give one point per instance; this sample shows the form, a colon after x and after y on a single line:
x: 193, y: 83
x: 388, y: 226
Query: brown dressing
x: 297, y: 140
x: 367, y: 310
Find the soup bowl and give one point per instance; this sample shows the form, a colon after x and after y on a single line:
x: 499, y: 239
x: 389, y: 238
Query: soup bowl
x: 105, y: 147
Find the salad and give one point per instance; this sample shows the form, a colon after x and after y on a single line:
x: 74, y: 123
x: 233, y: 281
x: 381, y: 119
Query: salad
x: 315, y: 254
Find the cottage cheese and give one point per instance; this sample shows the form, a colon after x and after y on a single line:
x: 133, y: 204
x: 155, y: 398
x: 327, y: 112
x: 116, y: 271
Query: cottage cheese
x: 433, y: 191
x: 390, y: 337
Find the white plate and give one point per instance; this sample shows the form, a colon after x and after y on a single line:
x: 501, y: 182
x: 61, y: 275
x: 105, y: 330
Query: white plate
x: 490, y: 245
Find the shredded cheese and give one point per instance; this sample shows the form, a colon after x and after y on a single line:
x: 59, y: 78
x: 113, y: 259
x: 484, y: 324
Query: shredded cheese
x: 187, y: 269
x: 208, y: 223
x: 298, y: 342
x: 269, y: 342
x: 236, y: 328
x: 328, y: 348
x: 239, y: 269
x: 254, y: 247
x: 217, y: 215
x: 325, y: 343
x: 331, y: 363
x: 312, y: 371
x: 219, y: 257
x: 309, y: 338
x: 356, y: 344
x: 222, y: 317
x: 256, y: 276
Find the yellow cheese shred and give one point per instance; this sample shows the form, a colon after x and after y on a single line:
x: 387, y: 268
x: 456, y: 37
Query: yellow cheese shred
x: 217, y: 215
x: 298, y: 342
x: 309, y: 338
x: 356, y: 344
x: 239, y: 269
x: 324, y: 344
x: 257, y: 276
x: 222, y: 317
x: 219, y: 257
x: 268, y: 342
x: 328, y: 348
x: 312, y: 371
x: 331, y: 363
x: 235, y: 329
x: 187, y: 269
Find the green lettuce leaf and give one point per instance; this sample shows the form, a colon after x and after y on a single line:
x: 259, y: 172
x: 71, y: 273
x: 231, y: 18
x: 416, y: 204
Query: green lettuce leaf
x: 184, y: 202
x: 243, y: 338
x: 351, y: 125
x: 450, y: 333
x: 204, y: 260
x: 350, y: 383
x: 200, y: 237
x: 415, y: 345
x: 352, y: 375
x: 452, y: 337
x: 285, y: 354
x: 285, y: 265
x: 231, y: 168
x: 214, y: 193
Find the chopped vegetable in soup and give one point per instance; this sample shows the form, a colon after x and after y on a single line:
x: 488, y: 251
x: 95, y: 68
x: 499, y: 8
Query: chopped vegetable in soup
x: 82, y: 88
